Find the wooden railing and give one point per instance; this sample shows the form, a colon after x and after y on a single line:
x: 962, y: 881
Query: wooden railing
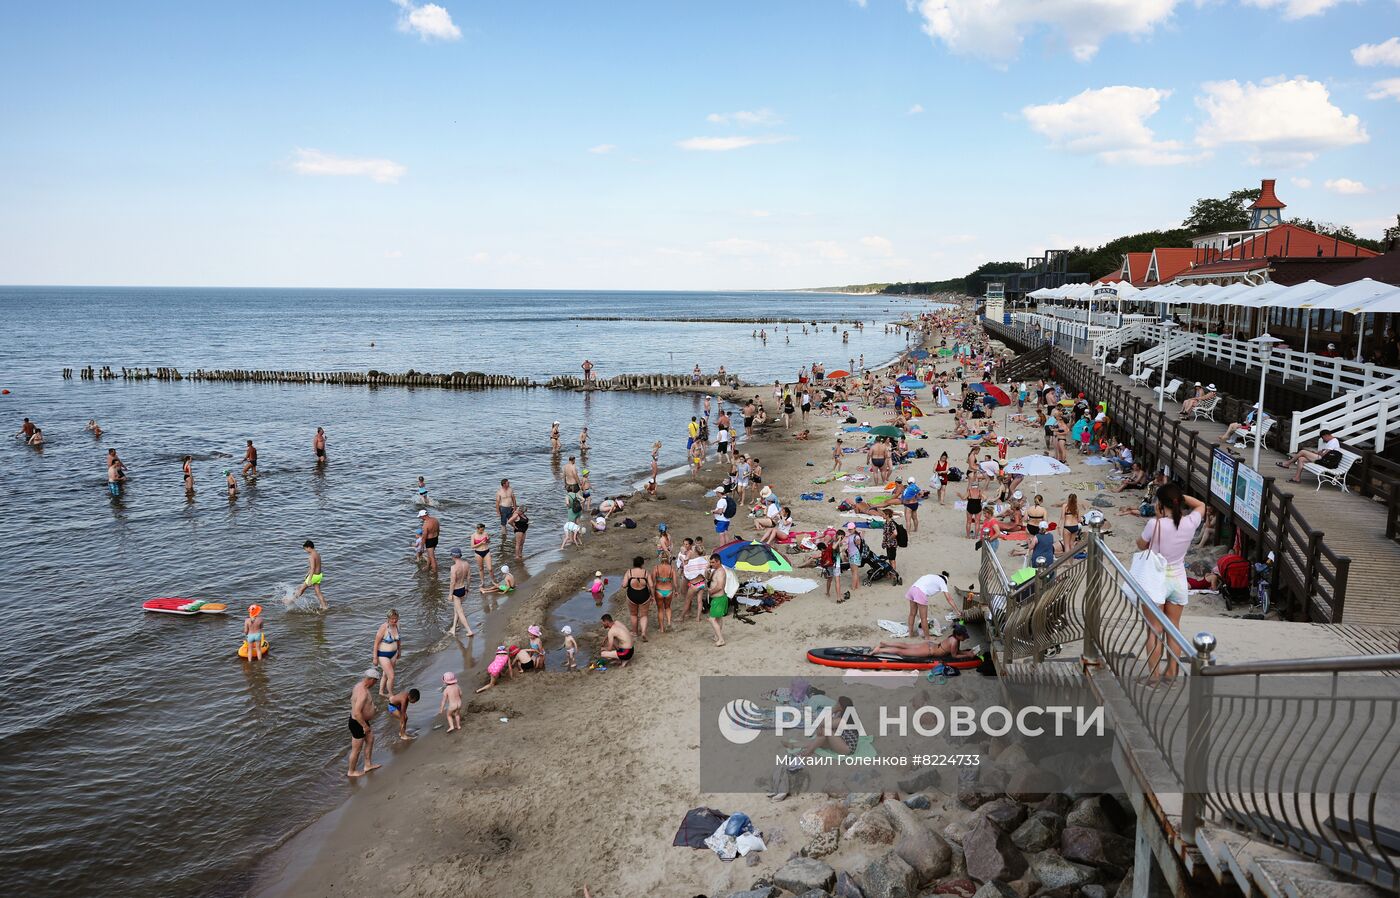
x: 1306, y: 570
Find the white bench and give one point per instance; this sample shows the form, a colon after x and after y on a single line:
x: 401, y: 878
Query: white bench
x: 1246, y: 438
x: 1205, y: 409
x: 1335, y: 476
x: 1170, y: 389
x: 1119, y: 363
x: 1142, y: 377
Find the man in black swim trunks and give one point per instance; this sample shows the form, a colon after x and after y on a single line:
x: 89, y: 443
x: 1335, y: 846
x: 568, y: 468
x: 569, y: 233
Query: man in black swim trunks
x: 319, y: 444
x: 431, y: 530
x: 361, y: 714
x: 617, y: 644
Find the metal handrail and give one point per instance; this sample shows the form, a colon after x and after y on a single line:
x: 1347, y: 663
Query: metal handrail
x: 1343, y: 664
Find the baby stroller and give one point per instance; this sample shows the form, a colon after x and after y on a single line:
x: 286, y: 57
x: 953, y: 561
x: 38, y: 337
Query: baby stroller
x: 876, y: 567
x: 1235, y: 582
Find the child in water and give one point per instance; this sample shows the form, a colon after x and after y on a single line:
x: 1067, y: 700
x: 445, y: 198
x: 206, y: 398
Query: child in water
x: 451, y: 707
x: 398, y: 710
x: 232, y: 485
x: 423, y: 491
x: 253, y: 632
x: 499, y: 665
x: 599, y: 581
x: 570, y: 647
x: 418, y: 547
x: 504, y: 585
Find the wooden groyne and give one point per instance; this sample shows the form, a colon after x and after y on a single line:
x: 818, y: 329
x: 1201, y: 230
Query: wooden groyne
x: 462, y: 380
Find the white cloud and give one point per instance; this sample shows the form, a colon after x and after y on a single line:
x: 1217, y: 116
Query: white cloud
x: 745, y: 117
x: 1110, y: 122
x: 1296, y: 9
x: 996, y: 29
x: 861, y: 3
x: 830, y: 250
x: 722, y: 144
x: 1283, y: 121
x: 1304, y: 183
x: 880, y: 246
x: 315, y: 162
x: 1385, y: 89
x: 915, y: 109
x: 1345, y: 186
x: 393, y: 254
x: 602, y: 148
x: 1387, y: 53
x: 429, y: 21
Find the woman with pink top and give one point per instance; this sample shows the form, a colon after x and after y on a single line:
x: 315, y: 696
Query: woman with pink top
x: 1170, y: 535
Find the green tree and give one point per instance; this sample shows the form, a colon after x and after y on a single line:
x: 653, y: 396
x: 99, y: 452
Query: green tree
x: 1209, y: 215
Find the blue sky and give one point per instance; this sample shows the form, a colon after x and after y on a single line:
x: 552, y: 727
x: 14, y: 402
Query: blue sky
x: 761, y: 143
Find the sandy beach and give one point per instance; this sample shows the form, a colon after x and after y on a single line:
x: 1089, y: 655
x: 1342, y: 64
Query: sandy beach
x: 590, y: 774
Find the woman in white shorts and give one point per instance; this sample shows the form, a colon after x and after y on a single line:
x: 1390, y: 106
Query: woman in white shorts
x: 1170, y: 534
x: 918, y: 596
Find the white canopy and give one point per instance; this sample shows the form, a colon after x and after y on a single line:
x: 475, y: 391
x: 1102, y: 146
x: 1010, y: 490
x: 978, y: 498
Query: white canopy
x: 1226, y: 294
x: 1256, y: 295
x: 1385, y: 303
x: 1042, y: 293
x: 1356, y: 294
x: 1297, y: 296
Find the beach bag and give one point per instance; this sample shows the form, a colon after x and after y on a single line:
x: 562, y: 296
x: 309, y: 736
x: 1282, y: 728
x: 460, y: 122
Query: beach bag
x: 1150, y: 570
x: 1330, y: 459
x: 901, y: 536
x: 954, y: 475
x: 629, y: 523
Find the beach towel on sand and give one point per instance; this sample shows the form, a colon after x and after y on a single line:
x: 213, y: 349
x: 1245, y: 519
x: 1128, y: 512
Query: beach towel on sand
x: 699, y: 824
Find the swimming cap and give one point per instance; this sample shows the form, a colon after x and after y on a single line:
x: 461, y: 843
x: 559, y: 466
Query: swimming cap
x: 254, y: 610
x: 505, y: 569
x: 661, y: 527
x: 423, y: 513
x: 372, y: 672
x: 455, y: 553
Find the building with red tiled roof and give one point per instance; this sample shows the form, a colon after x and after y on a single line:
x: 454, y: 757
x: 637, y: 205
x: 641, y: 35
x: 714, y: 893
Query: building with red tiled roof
x: 1253, y: 259
x: 1134, y: 269
x: 1168, y: 263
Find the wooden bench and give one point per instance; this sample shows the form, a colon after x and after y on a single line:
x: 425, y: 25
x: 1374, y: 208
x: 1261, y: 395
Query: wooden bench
x: 1335, y: 476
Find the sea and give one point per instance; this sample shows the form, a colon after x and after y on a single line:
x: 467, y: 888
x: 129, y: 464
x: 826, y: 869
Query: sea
x: 138, y: 754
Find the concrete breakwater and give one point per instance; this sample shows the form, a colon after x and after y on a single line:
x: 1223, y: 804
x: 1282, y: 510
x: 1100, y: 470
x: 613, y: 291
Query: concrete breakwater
x: 372, y: 378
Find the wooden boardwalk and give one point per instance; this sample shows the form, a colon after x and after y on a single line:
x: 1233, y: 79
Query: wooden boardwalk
x: 1352, y: 525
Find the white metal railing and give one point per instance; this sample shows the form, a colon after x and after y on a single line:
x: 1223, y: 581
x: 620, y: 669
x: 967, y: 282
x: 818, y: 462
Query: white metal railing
x: 1357, y: 416
x: 1335, y: 375
x: 1059, y: 330
x: 1117, y: 339
x: 1158, y: 357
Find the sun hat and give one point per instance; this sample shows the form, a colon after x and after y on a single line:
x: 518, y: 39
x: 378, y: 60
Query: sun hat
x: 851, y: 525
x: 423, y: 513
x: 254, y: 610
x: 455, y: 553
x: 597, y: 573
x: 500, y: 650
x: 372, y: 672
x: 766, y: 492
x: 534, y: 630
x: 449, y: 678
x: 1210, y: 388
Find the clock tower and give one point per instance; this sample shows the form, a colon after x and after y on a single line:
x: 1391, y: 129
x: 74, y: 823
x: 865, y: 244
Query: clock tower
x: 1267, y: 211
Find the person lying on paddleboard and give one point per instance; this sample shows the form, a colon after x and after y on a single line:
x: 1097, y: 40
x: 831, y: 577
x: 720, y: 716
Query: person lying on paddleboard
x: 948, y: 647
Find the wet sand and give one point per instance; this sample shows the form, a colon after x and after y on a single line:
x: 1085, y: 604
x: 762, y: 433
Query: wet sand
x: 589, y: 778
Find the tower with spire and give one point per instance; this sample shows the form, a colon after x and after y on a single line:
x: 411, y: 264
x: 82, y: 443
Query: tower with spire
x: 1267, y: 211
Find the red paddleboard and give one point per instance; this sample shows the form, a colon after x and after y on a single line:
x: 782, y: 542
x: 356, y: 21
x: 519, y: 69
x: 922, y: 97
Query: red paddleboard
x: 168, y: 606
x: 859, y: 658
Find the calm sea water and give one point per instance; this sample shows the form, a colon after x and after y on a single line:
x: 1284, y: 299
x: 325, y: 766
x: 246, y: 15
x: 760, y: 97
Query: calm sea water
x: 139, y: 755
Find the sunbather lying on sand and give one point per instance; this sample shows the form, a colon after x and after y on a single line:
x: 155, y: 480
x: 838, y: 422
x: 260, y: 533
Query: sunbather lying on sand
x: 948, y: 647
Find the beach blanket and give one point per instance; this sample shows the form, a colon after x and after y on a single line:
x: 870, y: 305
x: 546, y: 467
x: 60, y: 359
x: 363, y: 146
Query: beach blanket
x: 894, y: 628
x: 795, y: 585
x: 827, y: 478
x: 697, y: 826
x: 812, y: 497
x: 1096, y: 460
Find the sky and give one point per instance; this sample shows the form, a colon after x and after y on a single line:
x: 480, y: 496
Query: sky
x: 620, y: 144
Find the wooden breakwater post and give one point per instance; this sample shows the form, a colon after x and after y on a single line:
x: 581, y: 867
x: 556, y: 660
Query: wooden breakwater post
x: 468, y: 380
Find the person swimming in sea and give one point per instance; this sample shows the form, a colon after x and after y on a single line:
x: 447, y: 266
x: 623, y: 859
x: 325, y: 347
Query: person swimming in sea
x: 314, y: 575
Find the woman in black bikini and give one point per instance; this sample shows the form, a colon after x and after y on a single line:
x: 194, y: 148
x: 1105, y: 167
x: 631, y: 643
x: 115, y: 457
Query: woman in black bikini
x: 974, y: 507
x: 639, y: 587
x: 521, y: 522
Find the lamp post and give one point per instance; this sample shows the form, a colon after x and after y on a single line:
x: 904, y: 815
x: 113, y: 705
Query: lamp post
x: 1264, y: 344
x: 1166, y: 326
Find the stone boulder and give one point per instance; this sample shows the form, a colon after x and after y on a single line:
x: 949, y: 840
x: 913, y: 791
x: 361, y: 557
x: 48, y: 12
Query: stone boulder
x: 862, y: 801
x: 1096, y: 848
x: 762, y: 892
x: 918, y: 802
x: 822, y: 844
x: 846, y: 887
x: 888, y: 876
x: 1054, y: 872
x: 822, y: 818
x: 1100, y: 812
x: 996, y: 890
x: 872, y: 828
x: 919, y: 846
x: 1041, y: 831
x: 991, y: 855
x: 803, y: 874
x: 1006, y: 813
x: 1056, y: 803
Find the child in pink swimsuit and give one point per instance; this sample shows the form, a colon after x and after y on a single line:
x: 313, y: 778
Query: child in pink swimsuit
x: 499, y: 665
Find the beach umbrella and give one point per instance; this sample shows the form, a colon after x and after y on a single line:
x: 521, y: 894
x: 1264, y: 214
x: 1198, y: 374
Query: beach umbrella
x: 945, y: 352
x: 1037, y: 466
x: 993, y: 391
x: 839, y: 372
x: 913, y: 410
x: 919, y: 354
x: 886, y: 430
x: 748, y: 555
